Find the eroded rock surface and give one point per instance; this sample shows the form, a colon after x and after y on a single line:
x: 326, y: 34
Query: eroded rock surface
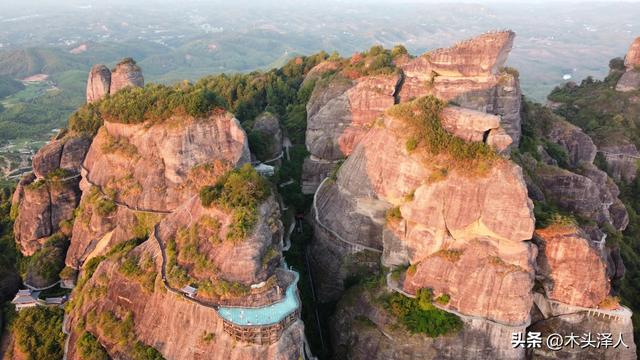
x: 126, y: 73
x: 99, y: 83
x: 102, y: 81
x: 630, y: 80
x: 152, y: 168
x: 573, y: 270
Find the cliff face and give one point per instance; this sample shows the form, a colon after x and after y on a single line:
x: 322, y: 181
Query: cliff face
x: 463, y: 233
x: 573, y: 270
x: 632, y: 59
x: 142, y: 181
x: 488, y: 214
x: 153, y: 168
x: 160, y: 317
x: 49, y: 196
x: 98, y: 83
x: 340, y: 110
x: 630, y: 80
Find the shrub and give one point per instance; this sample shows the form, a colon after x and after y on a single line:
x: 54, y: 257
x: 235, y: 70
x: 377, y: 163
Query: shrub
x: 38, y: 332
x: 411, y: 144
x: 393, y: 214
x: 443, y: 299
x: 240, y: 191
x: 90, y: 348
x: 422, y: 117
x: 420, y: 316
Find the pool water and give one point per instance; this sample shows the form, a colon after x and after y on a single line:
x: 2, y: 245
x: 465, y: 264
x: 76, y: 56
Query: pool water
x: 265, y: 315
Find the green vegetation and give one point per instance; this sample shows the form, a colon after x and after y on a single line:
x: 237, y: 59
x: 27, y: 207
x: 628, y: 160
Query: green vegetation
x: 90, y: 349
x: 420, y: 316
x: 46, y: 264
x: 607, y: 115
x: 120, y: 330
x: 102, y: 205
x: 9, y: 86
x: 38, y: 332
x: 376, y: 61
x: 422, y: 116
x: 240, y: 191
x: 393, y: 214
x: 141, y: 270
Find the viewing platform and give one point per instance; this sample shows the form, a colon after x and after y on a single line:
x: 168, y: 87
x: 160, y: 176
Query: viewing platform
x: 265, y: 324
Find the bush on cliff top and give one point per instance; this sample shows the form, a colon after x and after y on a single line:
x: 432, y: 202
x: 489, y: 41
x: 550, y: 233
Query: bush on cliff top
x: 422, y: 116
x: 240, y: 191
x: 419, y: 315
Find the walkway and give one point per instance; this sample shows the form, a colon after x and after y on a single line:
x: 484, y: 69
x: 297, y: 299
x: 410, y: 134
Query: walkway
x: 618, y: 154
x: 33, y: 288
x: 335, y: 234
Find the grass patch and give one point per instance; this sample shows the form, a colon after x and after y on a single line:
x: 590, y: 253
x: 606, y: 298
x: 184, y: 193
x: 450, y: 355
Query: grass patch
x: 422, y: 117
x: 240, y: 191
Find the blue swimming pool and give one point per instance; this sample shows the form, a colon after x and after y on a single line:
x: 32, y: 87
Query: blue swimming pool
x: 265, y: 315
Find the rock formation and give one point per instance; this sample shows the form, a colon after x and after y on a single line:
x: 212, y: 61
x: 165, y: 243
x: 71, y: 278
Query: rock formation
x: 457, y: 214
x: 50, y: 195
x: 633, y: 55
x: 267, y: 127
x: 470, y: 74
x: 621, y: 160
x: 466, y: 235
x: 573, y: 270
x: 98, y: 83
x: 630, y: 80
x: 126, y: 73
x: 154, y: 168
x: 102, y: 81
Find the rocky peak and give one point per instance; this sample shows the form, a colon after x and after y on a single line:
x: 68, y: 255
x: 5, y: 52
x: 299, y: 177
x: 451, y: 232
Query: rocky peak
x: 632, y: 59
x: 98, y: 83
x: 126, y: 73
x: 102, y: 81
x: 483, y: 55
x: 630, y: 80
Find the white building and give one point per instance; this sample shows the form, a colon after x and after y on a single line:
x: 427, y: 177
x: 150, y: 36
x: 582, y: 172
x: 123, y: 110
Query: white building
x: 265, y: 170
x: 25, y: 299
x: 190, y: 291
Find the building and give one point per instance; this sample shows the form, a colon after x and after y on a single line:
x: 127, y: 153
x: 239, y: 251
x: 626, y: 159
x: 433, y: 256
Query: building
x: 265, y: 170
x: 190, y: 291
x: 26, y: 299
x: 55, y: 301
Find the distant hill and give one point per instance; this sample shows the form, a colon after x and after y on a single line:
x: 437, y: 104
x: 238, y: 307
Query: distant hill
x: 9, y: 86
x: 26, y: 62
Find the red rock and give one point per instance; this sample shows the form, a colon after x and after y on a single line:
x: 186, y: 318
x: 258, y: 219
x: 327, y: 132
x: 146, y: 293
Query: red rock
x: 574, y: 271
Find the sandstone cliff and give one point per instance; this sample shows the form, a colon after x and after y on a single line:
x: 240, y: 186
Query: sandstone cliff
x: 470, y: 74
x: 450, y: 214
x: 152, y: 168
x: 630, y: 80
x: 48, y: 197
